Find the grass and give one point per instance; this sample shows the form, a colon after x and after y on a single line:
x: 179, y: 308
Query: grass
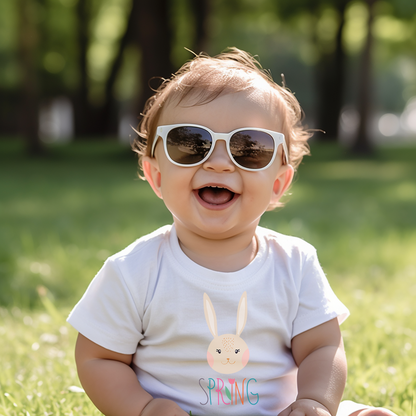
x: 37, y: 370
x: 61, y: 216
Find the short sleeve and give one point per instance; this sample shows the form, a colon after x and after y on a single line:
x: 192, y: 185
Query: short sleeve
x: 317, y: 301
x: 107, y: 313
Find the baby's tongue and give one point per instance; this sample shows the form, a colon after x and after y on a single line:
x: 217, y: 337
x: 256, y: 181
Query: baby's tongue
x: 216, y: 196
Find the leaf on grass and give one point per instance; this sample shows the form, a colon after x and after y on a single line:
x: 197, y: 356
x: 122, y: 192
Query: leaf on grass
x: 11, y: 399
x: 76, y: 389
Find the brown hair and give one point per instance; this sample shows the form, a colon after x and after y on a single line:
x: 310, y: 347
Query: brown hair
x: 204, y: 78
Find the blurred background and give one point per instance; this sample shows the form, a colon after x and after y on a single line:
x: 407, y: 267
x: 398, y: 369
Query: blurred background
x: 81, y: 69
x: 74, y: 75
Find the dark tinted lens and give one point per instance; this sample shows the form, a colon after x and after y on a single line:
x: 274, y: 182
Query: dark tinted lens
x: 252, y: 149
x: 188, y: 145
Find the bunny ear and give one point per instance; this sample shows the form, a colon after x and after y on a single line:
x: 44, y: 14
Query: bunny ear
x: 210, y: 316
x: 242, y: 313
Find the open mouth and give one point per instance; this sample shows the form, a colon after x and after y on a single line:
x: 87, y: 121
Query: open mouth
x: 215, y: 195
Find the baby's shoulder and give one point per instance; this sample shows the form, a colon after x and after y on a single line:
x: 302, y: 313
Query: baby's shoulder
x: 285, y: 244
x: 144, y: 250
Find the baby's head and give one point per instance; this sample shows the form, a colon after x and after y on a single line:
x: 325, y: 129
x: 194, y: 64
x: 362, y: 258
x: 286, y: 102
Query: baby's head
x: 205, y: 79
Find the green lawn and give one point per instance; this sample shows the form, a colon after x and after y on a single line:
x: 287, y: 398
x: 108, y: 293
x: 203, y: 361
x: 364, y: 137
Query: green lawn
x: 61, y: 216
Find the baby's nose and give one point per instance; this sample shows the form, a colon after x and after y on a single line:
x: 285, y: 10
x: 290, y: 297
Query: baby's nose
x: 219, y: 160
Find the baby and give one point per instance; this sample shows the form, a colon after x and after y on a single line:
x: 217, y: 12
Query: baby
x: 214, y: 315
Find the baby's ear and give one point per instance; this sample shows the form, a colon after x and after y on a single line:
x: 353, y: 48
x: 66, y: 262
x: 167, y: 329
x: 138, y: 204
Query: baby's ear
x: 283, y: 181
x: 152, y: 174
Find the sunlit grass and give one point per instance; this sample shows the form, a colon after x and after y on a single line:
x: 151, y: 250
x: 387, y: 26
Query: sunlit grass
x: 37, y: 368
x: 61, y: 217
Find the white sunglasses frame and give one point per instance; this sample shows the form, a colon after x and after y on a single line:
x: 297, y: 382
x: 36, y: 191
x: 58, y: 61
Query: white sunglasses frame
x: 162, y: 132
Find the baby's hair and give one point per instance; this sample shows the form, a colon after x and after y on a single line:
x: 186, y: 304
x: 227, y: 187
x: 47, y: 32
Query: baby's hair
x: 204, y: 78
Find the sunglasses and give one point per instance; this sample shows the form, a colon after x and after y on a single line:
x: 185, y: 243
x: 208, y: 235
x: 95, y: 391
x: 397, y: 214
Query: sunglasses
x: 188, y: 145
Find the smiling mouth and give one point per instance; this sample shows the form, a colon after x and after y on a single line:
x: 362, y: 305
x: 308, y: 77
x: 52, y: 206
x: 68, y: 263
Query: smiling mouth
x: 228, y: 362
x: 215, y: 195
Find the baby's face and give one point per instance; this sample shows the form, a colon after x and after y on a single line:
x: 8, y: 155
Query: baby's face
x: 217, y: 199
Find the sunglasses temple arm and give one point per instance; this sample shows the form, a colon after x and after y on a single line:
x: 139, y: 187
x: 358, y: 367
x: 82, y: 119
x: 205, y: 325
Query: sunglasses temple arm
x: 152, y: 150
x: 285, y: 152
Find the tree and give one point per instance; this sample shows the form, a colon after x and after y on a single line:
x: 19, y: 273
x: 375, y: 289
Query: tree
x: 362, y: 143
x: 153, y: 34
x: 61, y: 64
x: 331, y: 81
x: 330, y: 66
x: 108, y: 113
x: 150, y: 30
x: 28, y: 42
x: 82, y: 107
x: 201, y: 12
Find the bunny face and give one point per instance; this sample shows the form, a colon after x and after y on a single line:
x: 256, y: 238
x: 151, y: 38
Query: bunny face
x: 227, y: 353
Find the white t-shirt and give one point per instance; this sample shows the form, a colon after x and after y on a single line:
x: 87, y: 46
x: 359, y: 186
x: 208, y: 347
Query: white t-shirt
x: 214, y: 342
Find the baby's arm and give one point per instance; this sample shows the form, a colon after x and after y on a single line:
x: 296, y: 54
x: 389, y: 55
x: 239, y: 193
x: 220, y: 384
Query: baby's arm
x: 319, y: 354
x: 112, y: 385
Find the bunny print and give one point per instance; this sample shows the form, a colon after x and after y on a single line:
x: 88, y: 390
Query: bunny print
x: 227, y: 353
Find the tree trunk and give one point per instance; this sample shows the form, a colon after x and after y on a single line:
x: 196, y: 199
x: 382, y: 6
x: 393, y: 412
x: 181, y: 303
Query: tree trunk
x: 154, y: 36
x: 28, y: 40
x: 201, y: 10
x: 108, y: 114
x: 82, y: 108
x: 331, y: 84
x: 362, y: 143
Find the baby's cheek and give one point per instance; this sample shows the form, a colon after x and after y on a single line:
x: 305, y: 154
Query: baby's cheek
x: 246, y: 357
x: 210, y: 359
